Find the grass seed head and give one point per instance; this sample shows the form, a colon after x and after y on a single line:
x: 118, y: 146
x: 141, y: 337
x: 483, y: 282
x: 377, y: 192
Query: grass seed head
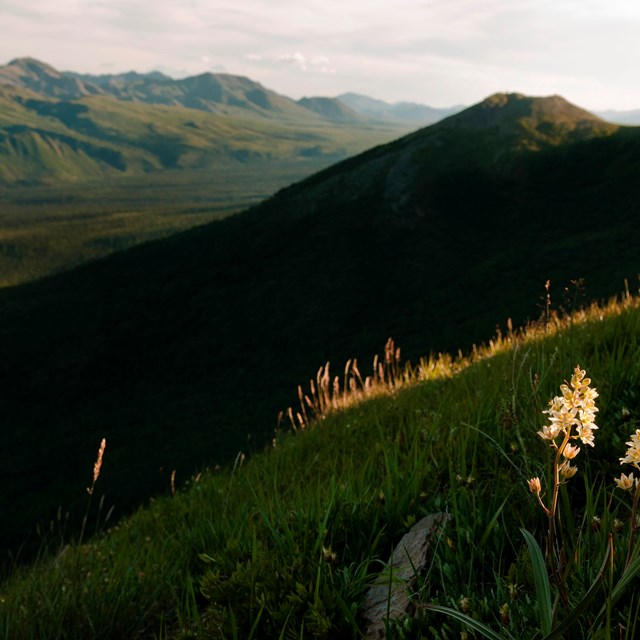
x: 98, y: 465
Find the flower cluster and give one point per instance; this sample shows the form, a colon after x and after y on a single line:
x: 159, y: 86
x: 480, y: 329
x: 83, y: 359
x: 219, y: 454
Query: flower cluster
x: 575, y: 408
x: 629, y: 483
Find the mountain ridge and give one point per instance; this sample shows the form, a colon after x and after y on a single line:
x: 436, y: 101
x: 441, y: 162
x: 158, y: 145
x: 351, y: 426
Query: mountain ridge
x: 63, y: 127
x: 72, y: 127
x: 487, y: 137
x: 206, y: 91
x: 158, y: 88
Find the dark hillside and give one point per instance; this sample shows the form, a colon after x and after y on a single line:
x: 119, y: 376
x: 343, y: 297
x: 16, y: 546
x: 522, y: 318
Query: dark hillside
x: 177, y: 351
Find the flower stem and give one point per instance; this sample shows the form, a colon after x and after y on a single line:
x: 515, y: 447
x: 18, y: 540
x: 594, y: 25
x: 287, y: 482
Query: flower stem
x: 552, y: 559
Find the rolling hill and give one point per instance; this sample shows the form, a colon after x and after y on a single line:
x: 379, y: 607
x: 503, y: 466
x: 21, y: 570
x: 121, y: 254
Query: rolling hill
x: 182, y: 352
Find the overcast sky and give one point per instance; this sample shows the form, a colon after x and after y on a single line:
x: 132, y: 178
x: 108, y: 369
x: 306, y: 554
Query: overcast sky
x: 437, y: 52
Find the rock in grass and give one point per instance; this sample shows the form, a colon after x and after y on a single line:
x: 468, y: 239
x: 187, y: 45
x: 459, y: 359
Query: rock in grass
x: 390, y: 596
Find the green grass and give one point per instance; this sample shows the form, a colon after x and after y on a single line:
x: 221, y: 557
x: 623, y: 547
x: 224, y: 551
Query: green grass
x: 48, y: 229
x: 247, y: 552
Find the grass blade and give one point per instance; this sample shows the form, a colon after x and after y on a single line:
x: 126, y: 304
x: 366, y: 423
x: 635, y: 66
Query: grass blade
x: 566, y: 624
x: 541, y: 580
x: 470, y: 622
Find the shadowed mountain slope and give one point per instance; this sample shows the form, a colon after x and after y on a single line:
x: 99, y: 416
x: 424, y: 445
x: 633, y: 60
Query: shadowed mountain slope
x: 181, y: 352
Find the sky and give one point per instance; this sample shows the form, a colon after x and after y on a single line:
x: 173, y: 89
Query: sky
x: 436, y: 52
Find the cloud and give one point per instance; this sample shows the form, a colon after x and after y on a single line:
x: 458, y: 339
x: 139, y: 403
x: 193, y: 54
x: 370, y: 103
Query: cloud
x: 434, y: 51
x: 319, y: 64
x: 296, y: 59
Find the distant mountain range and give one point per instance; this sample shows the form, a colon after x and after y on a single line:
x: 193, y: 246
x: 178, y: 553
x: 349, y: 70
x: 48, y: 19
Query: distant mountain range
x: 182, y: 351
x: 217, y: 93
x: 409, y: 112
x: 621, y: 117
x: 57, y: 126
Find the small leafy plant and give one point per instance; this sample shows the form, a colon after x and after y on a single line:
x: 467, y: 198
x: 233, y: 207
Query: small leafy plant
x: 564, y: 591
x: 571, y: 417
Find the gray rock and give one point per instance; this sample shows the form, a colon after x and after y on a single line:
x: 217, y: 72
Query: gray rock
x: 390, y: 596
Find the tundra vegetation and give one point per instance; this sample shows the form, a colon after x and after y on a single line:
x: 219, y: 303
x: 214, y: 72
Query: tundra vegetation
x: 284, y: 543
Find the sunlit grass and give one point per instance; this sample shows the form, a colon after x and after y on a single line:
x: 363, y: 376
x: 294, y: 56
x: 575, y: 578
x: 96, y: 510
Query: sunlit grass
x: 285, y: 543
x: 327, y: 394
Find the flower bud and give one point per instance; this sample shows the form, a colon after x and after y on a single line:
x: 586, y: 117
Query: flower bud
x: 534, y: 486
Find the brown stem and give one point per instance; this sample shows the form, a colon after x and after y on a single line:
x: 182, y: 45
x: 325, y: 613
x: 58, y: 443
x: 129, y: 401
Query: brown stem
x: 543, y: 505
x: 551, y: 543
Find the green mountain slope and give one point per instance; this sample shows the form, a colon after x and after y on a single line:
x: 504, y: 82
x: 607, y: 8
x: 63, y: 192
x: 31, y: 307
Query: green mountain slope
x: 99, y: 146
x: 186, y: 349
x: 56, y: 126
x: 42, y: 140
x: 218, y: 93
x: 287, y: 543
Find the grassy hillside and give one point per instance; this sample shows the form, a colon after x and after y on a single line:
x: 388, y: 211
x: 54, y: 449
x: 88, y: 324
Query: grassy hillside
x: 154, y: 348
x: 284, y: 544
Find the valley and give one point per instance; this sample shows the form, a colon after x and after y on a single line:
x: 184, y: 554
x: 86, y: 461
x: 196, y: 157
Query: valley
x: 47, y: 229
x: 95, y: 164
